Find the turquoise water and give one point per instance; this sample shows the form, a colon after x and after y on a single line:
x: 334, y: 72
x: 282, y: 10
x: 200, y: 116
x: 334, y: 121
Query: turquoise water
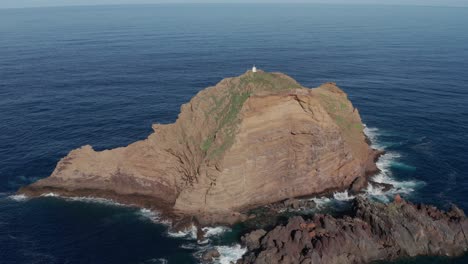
x: 102, y: 75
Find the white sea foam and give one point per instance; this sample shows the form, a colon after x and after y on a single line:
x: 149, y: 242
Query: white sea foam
x: 162, y: 261
x: 375, y: 190
x: 85, y: 199
x: 148, y: 213
x: 324, y: 203
x: 18, y: 197
x: 342, y: 196
x: 190, y: 246
x: 215, y: 231
x: 189, y: 233
x: 89, y: 199
x: 230, y: 254
x: 321, y: 202
x: 209, y: 233
x: 49, y: 194
x: 385, y: 176
x: 372, y: 133
x: 385, y: 162
x: 154, y: 216
x: 203, y: 242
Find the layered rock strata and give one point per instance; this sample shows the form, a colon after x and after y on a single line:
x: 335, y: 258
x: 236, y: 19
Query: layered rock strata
x: 250, y: 140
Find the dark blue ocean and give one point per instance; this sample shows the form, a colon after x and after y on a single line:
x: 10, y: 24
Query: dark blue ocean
x: 102, y: 75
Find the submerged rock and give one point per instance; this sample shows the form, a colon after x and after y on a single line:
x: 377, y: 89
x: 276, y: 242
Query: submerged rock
x: 251, y: 140
x: 375, y: 232
x: 292, y: 203
x: 210, y: 255
x: 385, y: 187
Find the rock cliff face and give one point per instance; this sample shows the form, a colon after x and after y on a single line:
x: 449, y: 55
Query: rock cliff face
x: 248, y: 141
x: 375, y: 232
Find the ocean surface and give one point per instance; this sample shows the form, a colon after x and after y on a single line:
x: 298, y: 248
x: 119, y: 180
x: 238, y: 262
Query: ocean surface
x: 102, y: 75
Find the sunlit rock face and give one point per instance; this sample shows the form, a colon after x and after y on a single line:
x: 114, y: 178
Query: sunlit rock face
x: 248, y: 141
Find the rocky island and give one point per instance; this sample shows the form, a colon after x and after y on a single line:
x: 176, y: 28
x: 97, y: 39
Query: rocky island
x: 262, y: 139
x: 251, y: 140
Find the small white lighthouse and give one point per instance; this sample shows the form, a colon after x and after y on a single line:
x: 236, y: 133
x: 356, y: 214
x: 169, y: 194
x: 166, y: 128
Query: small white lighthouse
x: 254, y: 69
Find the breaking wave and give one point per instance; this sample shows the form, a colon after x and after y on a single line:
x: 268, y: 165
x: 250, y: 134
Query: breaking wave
x: 49, y: 195
x: 153, y: 216
x: 385, y: 186
x: 385, y: 176
x: 230, y: 254
x: 321, y: 202
x: 18, y: 197
x: 372, y: 134
x: 215, y: 231
x: 342, y: 196
x: 189, y: 233
x: 85, y: 199
x: 324, y: 203
x: 227, y: 253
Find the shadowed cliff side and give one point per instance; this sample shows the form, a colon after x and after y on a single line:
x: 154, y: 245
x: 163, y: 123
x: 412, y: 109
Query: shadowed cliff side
x: 250, y: 140
x: 375, y: 232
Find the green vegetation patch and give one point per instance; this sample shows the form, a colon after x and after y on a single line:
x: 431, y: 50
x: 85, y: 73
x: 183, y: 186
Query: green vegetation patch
x: 331, y: 103
x: 225, y: 110
x: 339, y: 111
x: 263, y: 81
x: 228, y: 120
x: 207, y: 144
x: 233, y: 108
x: 217, y: 105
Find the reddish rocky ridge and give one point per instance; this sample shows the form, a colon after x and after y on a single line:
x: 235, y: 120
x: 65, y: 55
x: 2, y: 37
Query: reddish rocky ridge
x: 375, y: 232
x: 251, y: 140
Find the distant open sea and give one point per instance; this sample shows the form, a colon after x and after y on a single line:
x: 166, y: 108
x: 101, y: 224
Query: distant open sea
x: 102, y: 75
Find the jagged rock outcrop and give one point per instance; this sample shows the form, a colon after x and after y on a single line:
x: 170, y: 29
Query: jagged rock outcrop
x: 376, y: 232
x: 248, y: 141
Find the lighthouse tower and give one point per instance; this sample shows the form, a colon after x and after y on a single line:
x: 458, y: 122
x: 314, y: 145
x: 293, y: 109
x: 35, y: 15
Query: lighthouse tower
x: 254, y: 69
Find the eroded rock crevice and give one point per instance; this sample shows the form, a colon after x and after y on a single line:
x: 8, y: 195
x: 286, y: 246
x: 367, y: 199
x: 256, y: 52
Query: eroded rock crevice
x: 375, y: 231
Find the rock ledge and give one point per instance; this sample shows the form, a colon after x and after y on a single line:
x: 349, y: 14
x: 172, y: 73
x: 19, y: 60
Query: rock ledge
x: 375, y: 232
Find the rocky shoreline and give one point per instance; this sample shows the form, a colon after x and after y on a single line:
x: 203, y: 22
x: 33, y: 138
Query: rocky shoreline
x: 374, y: 231
x: 383, y: 231
x: 181, y: 221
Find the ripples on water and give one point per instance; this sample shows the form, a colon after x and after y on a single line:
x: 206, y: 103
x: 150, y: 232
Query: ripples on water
x: 103, y: 75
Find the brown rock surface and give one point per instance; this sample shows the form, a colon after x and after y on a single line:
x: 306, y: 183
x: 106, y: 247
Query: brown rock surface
x: 248, y: 141
x: 375, y: 231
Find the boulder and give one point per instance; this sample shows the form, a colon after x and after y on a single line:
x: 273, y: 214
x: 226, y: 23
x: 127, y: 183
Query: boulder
x: 376, y: 231
x: 358, y: 184
x: 210, y: 255
x: 252, y: 239
x: 292, y: 203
